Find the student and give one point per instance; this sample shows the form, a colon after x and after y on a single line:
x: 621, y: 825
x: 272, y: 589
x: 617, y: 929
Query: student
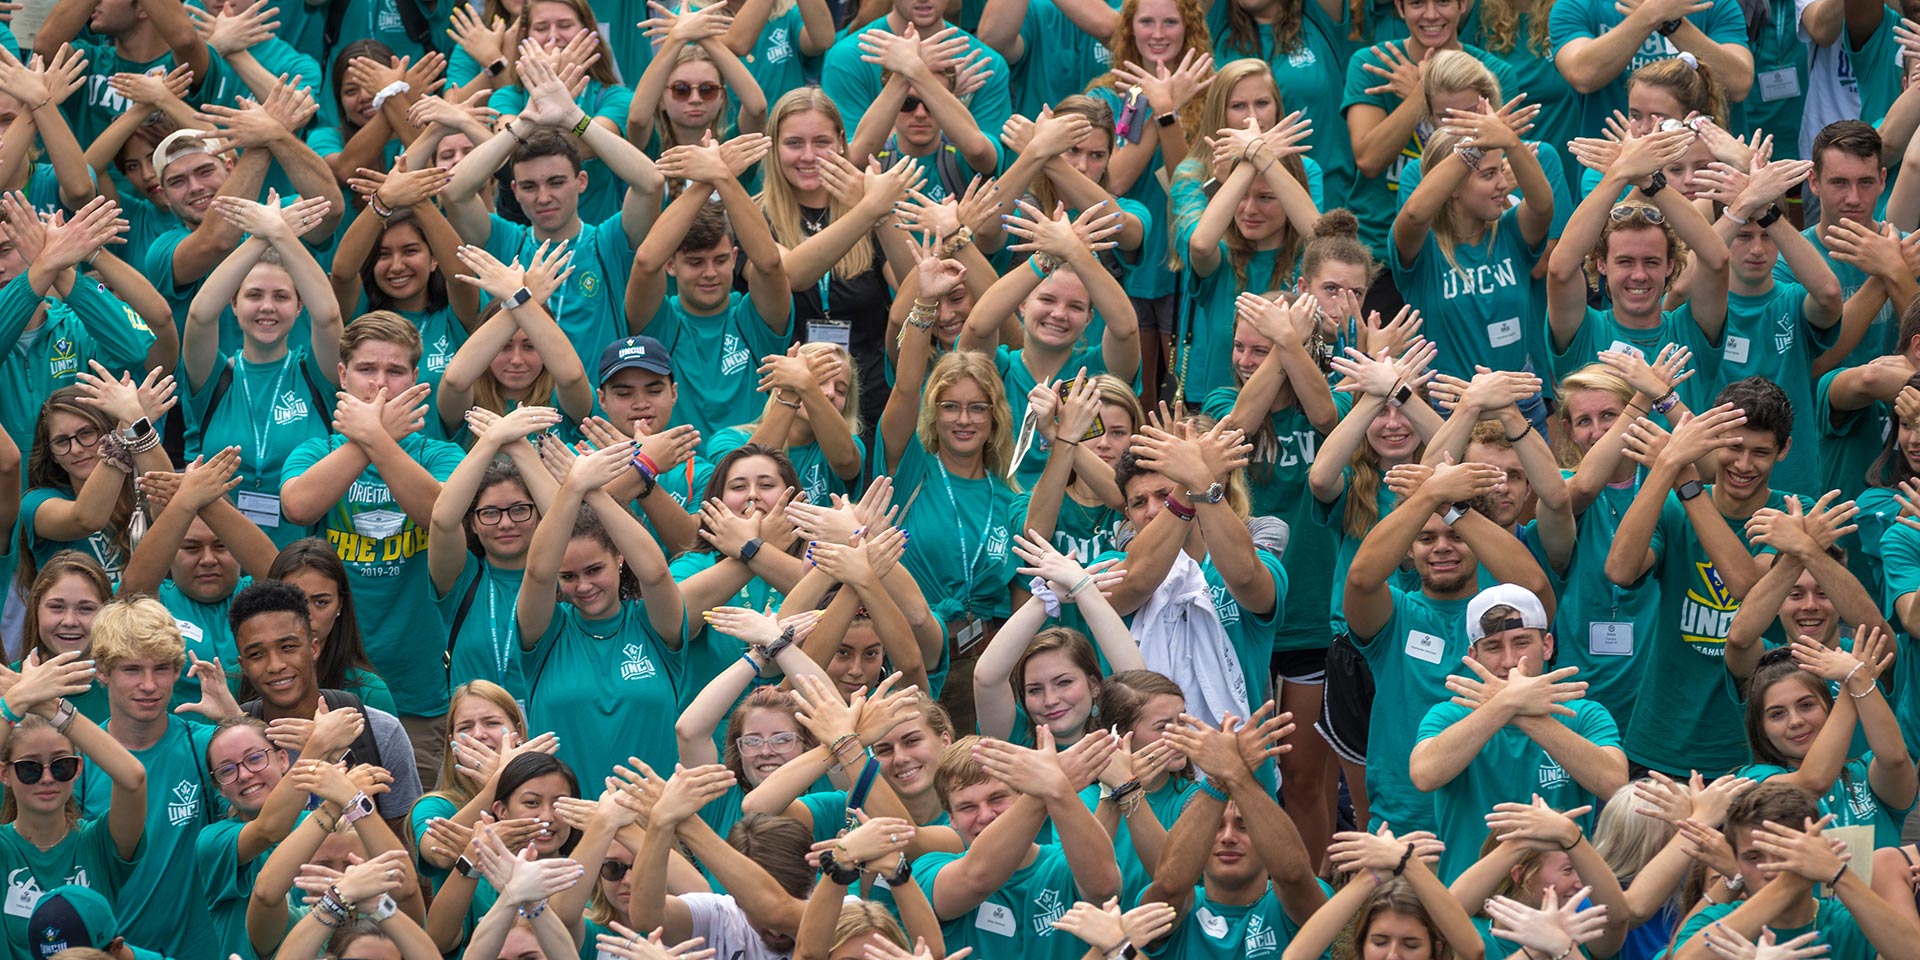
x: 544, y: 161
x: 192, y: 559
x: 80, y: 472
x: 715, y: 333
x: 272, y: 627
x: 139, y: 654
x: 1697, y: 549
x: 849, y: 79
x: 1075, y: 501
x: 1637, y: 245
x: 1808, y: 590
x: 1600, y: 45
x: 124, y: 39
x: 1410, y: 637
x: 1856, y: 415
x: 488, y: 730
x: 44, y: 842
x: 1141, y: 706
x: 638, y: 393
x: 812, y: 414
x: 1524, y: 732
x: 1536, y: 857
x: 61, y: 603
x: 529, y: 786
x: 1391, y: 902
x: 618, y: 644
x: 274, y: 393
x: 372, y: 488
x: 518, y: 356
x: 694, y: 87
x: 1251, y: 885
x: 1775, y: 832
x: 314, y: 566
x: 919, y: 117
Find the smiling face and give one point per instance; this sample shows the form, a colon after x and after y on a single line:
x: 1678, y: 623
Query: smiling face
x: 66, y: 614
x: 804, y: 138
x: 590, y: 578
x: 356, y: 102
x: 43, y: 745
x: 1681, y: 172
x: 1158, y: 32
x: 1250, y: 349
x: 1392, y: 436
x: 1058, y: 694
x: 1556, y: 873
x: 1590, y: 414
x: 233, y: 747
x: 1791, y: 715
x: 1435, y: 24
x: 1807, y: 610
x: 908, y: 755
x: 506, y: 539
x: 402, y: 264
x: 753, y: 484
x: 965, y: 418
x: 1484, y: 195
x: 535, y: 800
x: 190, y: 184
x: 203, y: 568
x: 1057, y: 312
x: 140, y: 689
x: 81, y: 437
x: 1635, y: 267
x: 266, y: 304
x: 758, y: 762
x: 1747, y: 466
x: 277, y: 653
x: 1442, y: 558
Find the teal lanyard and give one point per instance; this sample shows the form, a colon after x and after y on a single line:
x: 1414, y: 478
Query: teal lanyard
x: 260, y: 422
x: 969, y: 564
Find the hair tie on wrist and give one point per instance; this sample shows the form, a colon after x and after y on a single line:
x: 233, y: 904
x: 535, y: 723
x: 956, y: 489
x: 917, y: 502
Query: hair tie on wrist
x: 1404, y: 858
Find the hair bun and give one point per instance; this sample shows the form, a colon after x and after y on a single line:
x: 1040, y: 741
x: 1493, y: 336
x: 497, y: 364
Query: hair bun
x: 1338, y: 222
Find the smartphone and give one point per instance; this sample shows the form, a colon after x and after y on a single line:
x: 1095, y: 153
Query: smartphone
x: 1099, y: 427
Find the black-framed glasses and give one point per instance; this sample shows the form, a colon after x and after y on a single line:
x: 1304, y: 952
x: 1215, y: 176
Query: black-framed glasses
x: 1623, y: 212
x: 778, y: 741
x: 683, y: 90
x: 490, y: 516
x: 87, y: 437
x: 229, y: 772
x: 30, y: 771
x: 613, y: 871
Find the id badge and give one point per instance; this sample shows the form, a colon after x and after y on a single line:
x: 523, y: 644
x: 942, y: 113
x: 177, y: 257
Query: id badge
x: 1610, y: 639
x: 838, y: 332
x: 261, y: 508
x: 1781, y: 84
x: 969, y: 635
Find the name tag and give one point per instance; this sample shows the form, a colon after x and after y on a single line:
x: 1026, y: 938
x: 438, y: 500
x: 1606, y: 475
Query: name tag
x: 1425, y: 646
x: 1736, y: 351
x: 1212, y: 924
x: 21, y: 896
x: 261, y: 508
x: 1782, y: 84
x: 1621, y: 346
x: 1610, y: 639
x: 996, y: 919
x: 830, y: 331
x: 1503, y: 333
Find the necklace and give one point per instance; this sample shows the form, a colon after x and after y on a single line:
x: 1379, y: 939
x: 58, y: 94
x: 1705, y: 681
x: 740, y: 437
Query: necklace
x: 616, y: 631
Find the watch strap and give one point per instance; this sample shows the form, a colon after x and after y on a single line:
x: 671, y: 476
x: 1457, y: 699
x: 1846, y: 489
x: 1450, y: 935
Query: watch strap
x: 1455, y: 511
x: 1688, y: 490
x: 1773, y: 214
x: 750, y: 549
x: 1655, y: 184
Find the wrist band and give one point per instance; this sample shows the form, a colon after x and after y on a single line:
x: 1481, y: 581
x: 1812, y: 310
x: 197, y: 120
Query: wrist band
x: 1666, y: 403
x: 1736, y: 218
x: 1522, y: 436
x: 579, y: 128
x: 1401, y: 867
x: 1569, y: 847
x: 387, y: 92
x: 1074, y: 591
x: 7, y: 712
x: 795, y: 404
x: 1207, y: 787
x: 534, y: 914
x: 1184, y: 513
x: 640, y: 459
x: 1837, y: 877
x: 379, y: 209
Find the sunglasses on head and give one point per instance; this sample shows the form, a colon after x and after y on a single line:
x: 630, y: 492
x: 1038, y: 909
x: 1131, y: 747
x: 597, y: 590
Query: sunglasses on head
x: 683, y: 90
x: 30, y: 771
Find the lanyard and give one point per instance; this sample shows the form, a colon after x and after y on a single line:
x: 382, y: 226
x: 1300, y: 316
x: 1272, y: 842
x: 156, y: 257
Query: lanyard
x: 503, y: 643
x: 825, y: 284
x: 256, y: 422
x: 968, y: 564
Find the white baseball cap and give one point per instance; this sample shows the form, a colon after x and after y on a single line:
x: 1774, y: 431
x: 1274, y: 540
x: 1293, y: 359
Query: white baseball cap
x: 179, y: 144
x: 1533, y: 614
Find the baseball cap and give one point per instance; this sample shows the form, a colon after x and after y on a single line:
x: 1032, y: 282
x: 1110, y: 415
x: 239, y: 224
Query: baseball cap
x: 1533, y: 615
x: 644, y: 353
x: 70, y: 916
x: 178, y: 144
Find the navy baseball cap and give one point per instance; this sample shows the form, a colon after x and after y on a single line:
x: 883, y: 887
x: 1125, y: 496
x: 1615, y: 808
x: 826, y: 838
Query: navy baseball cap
x: 70, y: 916
x: 644, y: 353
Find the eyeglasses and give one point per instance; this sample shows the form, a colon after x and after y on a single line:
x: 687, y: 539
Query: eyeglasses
x: 1623, y: 212
x: 490, y: 516
x: 683, y: 90
x: 778, y: 741
x: 911, y: 104
x: 88, y: 438
x: 30, y: 771
x: 952, y: 409
x: 229, y: 772
x: 613, y: 871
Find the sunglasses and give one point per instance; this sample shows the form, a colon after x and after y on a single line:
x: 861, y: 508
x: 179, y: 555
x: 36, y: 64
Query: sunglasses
x: 1627, y: 211
x: 911, y: 104
x: 30, y: 771
x: 683, y: 90
x: 229, y: 772
x: 613, y: 871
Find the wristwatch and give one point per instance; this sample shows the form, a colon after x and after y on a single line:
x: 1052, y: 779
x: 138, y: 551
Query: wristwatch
x: 1455, y: 511
x: 497, y: 67
x: 1655, y: 184
x: 1214, y: 493
x: 139, y: 430
x: 519, y: 299
x: 463, y: 866
x: 1667, y: 29
x: 1767, y: 219
x: 1400, y: 395
x: 1688, y: 490
x: 750, y: 549
x: 1167, y: 119
x: 384, y: 909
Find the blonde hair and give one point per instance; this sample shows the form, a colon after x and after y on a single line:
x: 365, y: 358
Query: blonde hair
x: 849, y: 406
x: 777, y: 198
x: 452, y: 787
x: 1693, y: 84
x: 1626, y: 838
x: 1213, y: 116
x: 863, y: 917
x: 140, y: 628
x: 1457, y: 71
x: 663, y: 128
x: 382, y: 326
x: 487, y: 393
x: 1100, y: 116
x: 1500, y: 26
x: 1593, y: 376
x: 978, y: 367
x: 1446, y: 226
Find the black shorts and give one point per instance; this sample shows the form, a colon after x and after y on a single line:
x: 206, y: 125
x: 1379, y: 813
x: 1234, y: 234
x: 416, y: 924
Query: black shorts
x: 1158, y: 313
x: 1305, y: 667
x: 1347, y: 704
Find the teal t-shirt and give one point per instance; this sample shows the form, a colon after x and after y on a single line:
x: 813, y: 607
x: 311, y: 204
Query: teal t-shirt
x: 180, y: 792
x: 591, y: 305
x: 1685, y: 717
x: 385, y: 553
x: 960, y: 527
x: 1599, y: 627
x: 426, y: 810
x: 1212, y: 930
x: 1152, y: 278
x: 605, y: 190
x: 208, y: 635
x: 1020, y: 381
x: 1884, y: 329
x: 590, y: 677
x: 1481, y: 306
x: 715, y: 358
x: 267, y: 410
x: 1851, y: 799
x: 1603, y: 331
x: 1832, y: 926
x: 1311, y: 75
x: 1850, y: 440
x: 854, y: 84
x: 1060, y: 60
x: 1017, y: 919
x: 1536, y: 76
x: 1372, y: 199
x: 89, y: 324
x: 1777, y: 106
x: 1205, y: 360
x: 86, y: 856
x: 711, y: 651
x: 817, y: 479
x: 1411, y: 656
x: 1510, y: 768
x: 1899, y: 548
x: 1769, y: 336
x: 226, y: 886
x: 98, y: 545
x: 487, y: 646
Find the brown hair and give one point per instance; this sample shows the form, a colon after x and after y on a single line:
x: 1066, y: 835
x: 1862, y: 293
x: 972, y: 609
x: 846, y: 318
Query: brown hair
x: 1771, y: 671
x: 61, y: 565
x: 382, y: 326
x: 1772, y: 801
x: 9, y: 803
x: 44, y: 471
x: 779, y: 845
x: 759, y: 698
x: 1213, y: 116
x: 663, y: 128
x: 1639, y: 219
x: 1396, y: 896
x: 957, y: 770
x: 1078, y: 649
x: 1693, y: 84
x: 602, y: 69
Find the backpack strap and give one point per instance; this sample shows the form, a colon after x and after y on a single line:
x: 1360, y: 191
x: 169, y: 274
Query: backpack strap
x: 221, y: 384
x: 460, y: 613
